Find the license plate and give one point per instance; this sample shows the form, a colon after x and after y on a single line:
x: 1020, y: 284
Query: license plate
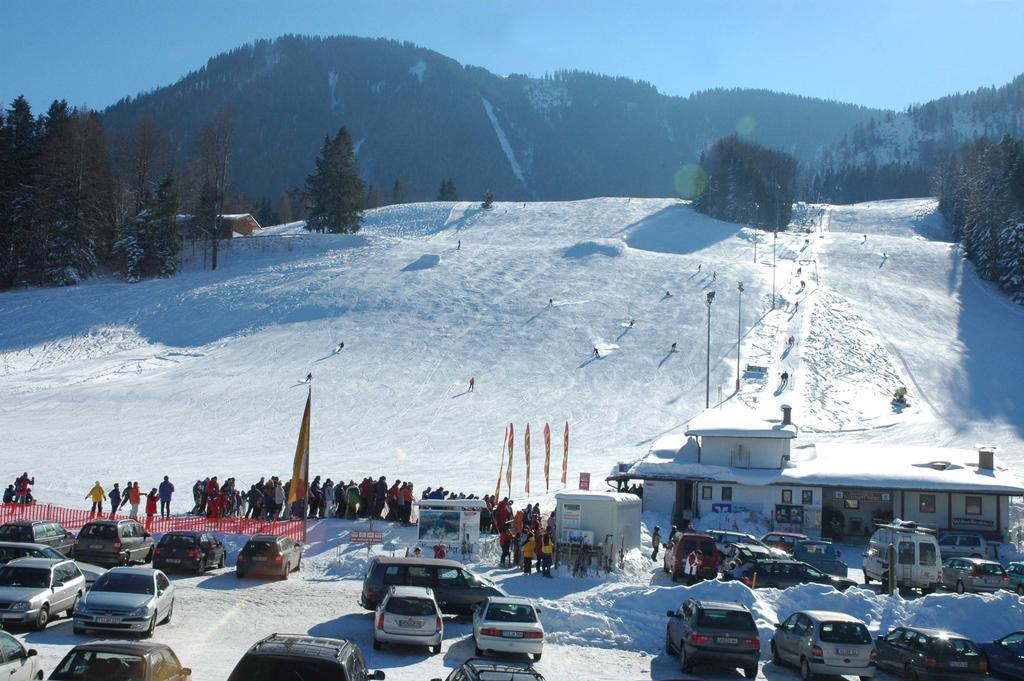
x: 173, y: 560
x: 410, y: 624
x: 958, y: 665
x: 847, y: 652
x: 259, y: 557
x: 107, y: 620
x: 96, y: 546
x: 512, y: 634
x: 727, y: 640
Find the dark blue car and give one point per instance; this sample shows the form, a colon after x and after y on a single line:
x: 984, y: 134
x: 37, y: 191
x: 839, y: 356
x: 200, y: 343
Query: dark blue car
x: 1006, y: 656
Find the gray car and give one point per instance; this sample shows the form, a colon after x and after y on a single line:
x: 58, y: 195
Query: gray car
x: 963, y: 544
x: 127, y: 600
x: 719, y: 633
x: 34, y: 590
x: 973, y: 574
x: 824, y: 643
x: 114, y: 542
x: 39, y: 532
x: 10, y: 550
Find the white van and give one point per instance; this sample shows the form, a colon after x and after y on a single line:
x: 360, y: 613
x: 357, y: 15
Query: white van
x: 918, y: 559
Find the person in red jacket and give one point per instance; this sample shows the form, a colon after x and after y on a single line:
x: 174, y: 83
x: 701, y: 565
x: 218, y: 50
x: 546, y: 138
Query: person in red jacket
x: 151, y: 500
x: 440, y: 551
x: 407, y: 509
x: 134, y: 498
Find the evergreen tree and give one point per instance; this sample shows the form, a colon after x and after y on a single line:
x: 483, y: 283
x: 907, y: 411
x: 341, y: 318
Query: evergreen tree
x: 334, y: 192
x: 447, y: 191
x: 161, y: 257
x: 488, y: 200
x: 20, y: 141
x: 746, y: 182
x: 373, y: 197
x: 396, y: 193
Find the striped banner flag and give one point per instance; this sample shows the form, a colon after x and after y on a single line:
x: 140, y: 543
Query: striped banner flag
x: 508, y: 471
x: 547, y: 456
x: 501, y: 468
x: 526, y: 451
x: 565, y: 452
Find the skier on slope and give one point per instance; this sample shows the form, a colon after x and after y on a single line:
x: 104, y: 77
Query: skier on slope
x: 341, y: 346
x: 673, y: 348
x: 472, y: 384
x: 699, y: 265
x: 597, y: 354
x: 714, y: 276
x: 631, y: 323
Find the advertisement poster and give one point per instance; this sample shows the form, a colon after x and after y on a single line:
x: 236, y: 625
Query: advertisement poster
x: 445, y: 526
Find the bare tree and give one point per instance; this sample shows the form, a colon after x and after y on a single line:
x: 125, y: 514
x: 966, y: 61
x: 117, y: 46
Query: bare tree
x: 211, y: 157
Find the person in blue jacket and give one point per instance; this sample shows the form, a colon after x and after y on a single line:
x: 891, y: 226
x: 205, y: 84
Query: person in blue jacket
x: 166, y: 491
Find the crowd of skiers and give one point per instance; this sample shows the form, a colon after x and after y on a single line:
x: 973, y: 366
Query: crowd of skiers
x: 524, y: 535
x: 132, y: 497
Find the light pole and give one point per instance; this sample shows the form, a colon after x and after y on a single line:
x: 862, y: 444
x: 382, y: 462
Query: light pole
x: 739, y: 331
x: 757, y: 208
x: 775, y: 240
x: 707, y: 387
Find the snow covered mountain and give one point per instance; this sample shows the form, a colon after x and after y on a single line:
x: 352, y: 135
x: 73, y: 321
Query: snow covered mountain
x: 200, y: 374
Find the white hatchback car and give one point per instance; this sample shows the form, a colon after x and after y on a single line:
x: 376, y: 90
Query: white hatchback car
x: 508, y: 625
x: 409, y: 615
x: 824, y: 643
x: 16, y: 663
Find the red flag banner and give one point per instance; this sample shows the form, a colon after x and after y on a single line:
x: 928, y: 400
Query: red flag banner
x: 508, y: 471
x: 547, y: 456
x: 501, y: 468
x: 565, y: 452
x: 526, y: 451
x: 300, y: 467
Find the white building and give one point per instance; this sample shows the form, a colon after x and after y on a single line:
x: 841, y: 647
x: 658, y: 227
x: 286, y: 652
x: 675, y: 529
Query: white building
x: 731, y: 460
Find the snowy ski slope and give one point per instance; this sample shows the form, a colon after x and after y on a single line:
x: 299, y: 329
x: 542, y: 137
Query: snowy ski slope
x: 198, y: 374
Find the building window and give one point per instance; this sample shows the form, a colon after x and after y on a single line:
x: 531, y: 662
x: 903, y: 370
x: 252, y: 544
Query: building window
x: 705, y: 492
x: 851, y: 504
x: 726, y: 493
x: 807, y: 497
x: 926, y: 503
x: 787, y: 496
x: 972, y: 505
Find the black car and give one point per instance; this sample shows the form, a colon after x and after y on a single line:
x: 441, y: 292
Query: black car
x: 930, y: 655
x: 719, y: 633
x: 475, y: 669
x: 293, y: 657
x: 114, y: 660
x: 1006, y: 656
x: 457, y: 589
x: 782, y: 573
x: 185, y: 550
x: 39, y: 532
x: 268, y: 554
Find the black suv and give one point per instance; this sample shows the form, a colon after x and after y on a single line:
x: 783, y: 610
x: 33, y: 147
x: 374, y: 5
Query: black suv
x: 782, y: 573
x: 927, y: 654
x: 114, y: 542
x: 720, y: 633
x: 39, y: 532
x: 295, y: 656
x: 268, y: 554
x: 458, y: 591
x: 186, y: 550
x: 476, y: 669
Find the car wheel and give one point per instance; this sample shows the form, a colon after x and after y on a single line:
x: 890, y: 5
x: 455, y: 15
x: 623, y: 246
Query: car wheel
x: 477, y: 651
x: 377, y: 645
x: 201, y: 566
x: 805, y: 670
x: 536, y: 657
x: 685, y: 664
x: 434, y: 650
x: 238, y: 574
x: 77, y: 630
x: 70, y: 612
x: 148, y: 633
x: 124, y: 559
x: 298, y: 565
x: 1020, y: 589
x: 220, y: 563
x: 42, y: 619
x: 776, y: 658
x: 960, y: 587
x: 867, y: 580
x: 909, y: 674
x: 149, y: 556
x: 170, y: 611
x: 668, y: 644
x: 287, y: 569
x: 750, y: 672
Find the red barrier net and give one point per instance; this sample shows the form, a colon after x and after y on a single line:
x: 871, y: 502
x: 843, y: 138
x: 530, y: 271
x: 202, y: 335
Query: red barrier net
x: 73, y: 519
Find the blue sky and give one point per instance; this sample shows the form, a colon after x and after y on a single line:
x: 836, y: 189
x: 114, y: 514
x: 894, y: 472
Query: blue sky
x: 878, y: 53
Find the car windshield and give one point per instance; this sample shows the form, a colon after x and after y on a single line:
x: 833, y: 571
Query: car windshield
x: 410, y: 606
x: 844, y: 632
x: 736, y: 620
x: 88, y: 665
x: 33, y: 578
x: 991, y: 569
x: 177, y: 541
x: 510, y: 612
x: 16, y: 533
x: 125, y: 583
x: 957, y: 647
x: 99, y: 532
x: 266, y: 668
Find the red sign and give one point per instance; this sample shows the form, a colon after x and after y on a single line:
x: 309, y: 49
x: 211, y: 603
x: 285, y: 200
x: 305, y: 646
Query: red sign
x: 366, y: 537
x: 585, y: 481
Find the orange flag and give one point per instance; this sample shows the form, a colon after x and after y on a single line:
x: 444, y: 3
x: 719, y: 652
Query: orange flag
x: 565, y: 452
x: 547, y: 456
x: 501, y: 468
x: 508, y: 471
x: 527, y: 452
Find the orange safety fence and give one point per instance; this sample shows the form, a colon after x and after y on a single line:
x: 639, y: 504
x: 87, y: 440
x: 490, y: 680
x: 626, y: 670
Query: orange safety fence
x: 74, y: 518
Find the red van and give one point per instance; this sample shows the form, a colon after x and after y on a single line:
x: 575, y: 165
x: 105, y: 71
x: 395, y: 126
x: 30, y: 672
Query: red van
x: 682, y: 546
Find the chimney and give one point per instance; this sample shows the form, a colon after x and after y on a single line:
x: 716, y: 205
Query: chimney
x: 787, y: 415
x: 985, y: 457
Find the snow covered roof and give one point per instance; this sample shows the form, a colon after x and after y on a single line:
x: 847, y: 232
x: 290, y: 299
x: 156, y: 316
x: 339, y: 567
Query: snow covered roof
x: 452, y: 504
x: 236, y: 216
x: 890, y: 466
x: 738, y: 421
x: 583, y: 495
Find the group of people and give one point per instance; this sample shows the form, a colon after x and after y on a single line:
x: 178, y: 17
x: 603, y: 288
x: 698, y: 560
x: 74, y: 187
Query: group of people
x: 20, y: 491
x: 524, y: 536
x: 131, y: 496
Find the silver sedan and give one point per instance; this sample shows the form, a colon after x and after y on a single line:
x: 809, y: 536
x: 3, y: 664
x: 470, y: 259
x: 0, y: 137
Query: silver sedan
x: 129, y: 600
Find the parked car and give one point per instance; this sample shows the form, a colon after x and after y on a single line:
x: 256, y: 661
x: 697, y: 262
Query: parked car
x: 827, y: 643
x: 1016, y: 572
x: 1006, y: 655
x: 195, y: 551
x: 301, y: 656
x: 781, y: 573
x: 973, y: 574
x: 786, y: 541
x: 822, y: 555
x: 126, y: 600
x: 39, y: 532
x: 675, y: 558
x: 725, y: 539
x: 17, y: 663
x: 114, y: 542
x: 409, y: 615
x: 968, y: 544
x: 508, y: 625
x: 918, y: 560
x: 121, y: 661
x: 748, y: 554
x: 718, y: 633
x: 475, y: 669
x: 34, y: 590
x: 457, y: 590
x: 268, y: 554
x: 13, y: 550
x: 927, y: 654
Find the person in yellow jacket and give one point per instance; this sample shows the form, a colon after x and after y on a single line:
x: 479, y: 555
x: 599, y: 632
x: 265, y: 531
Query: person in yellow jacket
x: 529, y: 548
x: 547, y: 549
x: 97, y: 495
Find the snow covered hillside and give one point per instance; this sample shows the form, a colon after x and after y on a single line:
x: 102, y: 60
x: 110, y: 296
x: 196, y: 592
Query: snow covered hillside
x: 199, y: 374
